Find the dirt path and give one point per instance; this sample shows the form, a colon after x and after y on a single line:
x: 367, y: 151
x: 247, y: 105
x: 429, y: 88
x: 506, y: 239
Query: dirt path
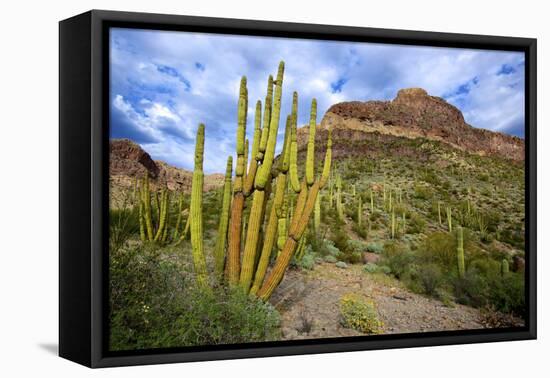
x: 308, y: 302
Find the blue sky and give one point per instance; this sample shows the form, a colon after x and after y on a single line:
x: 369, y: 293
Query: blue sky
x: 163, y: 84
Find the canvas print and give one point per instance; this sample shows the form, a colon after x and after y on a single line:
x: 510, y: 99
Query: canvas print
x: 266, y: 189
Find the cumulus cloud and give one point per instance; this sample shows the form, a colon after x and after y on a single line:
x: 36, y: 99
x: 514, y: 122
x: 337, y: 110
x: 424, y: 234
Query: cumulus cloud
x: 163, y: 84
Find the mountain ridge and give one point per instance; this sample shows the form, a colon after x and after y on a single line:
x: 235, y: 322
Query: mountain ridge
x: 412, y: 114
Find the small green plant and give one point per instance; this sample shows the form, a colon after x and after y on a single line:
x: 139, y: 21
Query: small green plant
x: 370, y: 268
x: 360, y: 314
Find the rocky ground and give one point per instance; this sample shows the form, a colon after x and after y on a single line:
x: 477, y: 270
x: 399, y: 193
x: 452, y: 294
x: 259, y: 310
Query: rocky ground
x: 308, y: 303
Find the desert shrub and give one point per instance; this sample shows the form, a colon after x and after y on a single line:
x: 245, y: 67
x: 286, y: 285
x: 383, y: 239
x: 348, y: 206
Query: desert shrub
x: 123, y: 224
x: 426, y: 278
x: 307, y: 261
x: 439, y: 248
x: 507, y: 293
x: 328, y: 249
x: 370, y: 268
x: 360, y: 231
x: 472, y: 289
x: 154, y: 303
x: 330, y: 259
x: 397, y: 258
x: 422, y: 192
x: 384, y: 269
x: 375, y: 248
x: 415, y: 224
x: 359, y: 314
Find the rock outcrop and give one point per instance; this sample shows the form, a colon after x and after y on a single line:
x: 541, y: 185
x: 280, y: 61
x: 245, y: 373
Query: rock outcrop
x: 416, y: 114
x: 128, y: 160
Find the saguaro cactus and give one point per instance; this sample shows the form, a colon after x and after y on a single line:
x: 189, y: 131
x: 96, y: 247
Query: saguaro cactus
x: 199, y: 260
x: 219, y: 251
x: 460, y: 252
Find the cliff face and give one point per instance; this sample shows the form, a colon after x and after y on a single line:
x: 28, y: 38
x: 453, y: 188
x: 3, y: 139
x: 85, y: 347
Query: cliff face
x: 128, y: 160
x: 415, y: 114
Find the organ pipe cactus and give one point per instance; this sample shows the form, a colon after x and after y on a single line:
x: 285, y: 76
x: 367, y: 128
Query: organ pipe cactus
x: 304, y: 207
x: 460, y: 252
x: 199, y: 260
x: 339, y: 206
x: 264, y: 172
x: 219, y: 251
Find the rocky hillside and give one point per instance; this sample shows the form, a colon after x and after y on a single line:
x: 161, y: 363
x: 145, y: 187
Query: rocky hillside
x: 128, y: 161
x: 415, y: 114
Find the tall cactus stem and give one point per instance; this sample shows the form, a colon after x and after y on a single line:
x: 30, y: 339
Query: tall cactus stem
x: 199, y: 259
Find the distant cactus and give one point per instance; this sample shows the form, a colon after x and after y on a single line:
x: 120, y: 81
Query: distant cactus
x: 393, y: 224
x: 460, y: 252
x: 449, y: 219
x: 371, y: 202
x: 505, y: 267
x: 359, y: 213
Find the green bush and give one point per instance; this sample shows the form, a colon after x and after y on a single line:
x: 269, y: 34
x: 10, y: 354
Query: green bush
x: 426, y: 279
x: 397, y: 258
x: 359, y: 314
x: 370, y: 268
x: 375, y: 248
x: 307, y: 261
x: 154, y: 303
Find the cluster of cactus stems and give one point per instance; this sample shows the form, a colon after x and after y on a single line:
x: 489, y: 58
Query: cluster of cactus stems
x: 255, y: 242
x: 460, y: 252
x: 154, y: 221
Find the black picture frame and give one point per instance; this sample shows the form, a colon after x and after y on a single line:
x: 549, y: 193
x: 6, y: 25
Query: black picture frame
x: 83, y: 181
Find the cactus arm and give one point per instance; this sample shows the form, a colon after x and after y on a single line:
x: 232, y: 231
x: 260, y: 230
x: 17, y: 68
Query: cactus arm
x: 252, y: 235
x: 293, y: 159
x: 267, y: 116
x: 294, y: 235
x: 270, y: 233
x: 178, y: 219
x: 141, y: 220
x: 197, y: 187
x: 219, y: 250
x: 147, y: 208
x: 310, y: 157
x: 162, y: 216
x: 232, y: 268
x: 328, y: 161
x: 265, y: 168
